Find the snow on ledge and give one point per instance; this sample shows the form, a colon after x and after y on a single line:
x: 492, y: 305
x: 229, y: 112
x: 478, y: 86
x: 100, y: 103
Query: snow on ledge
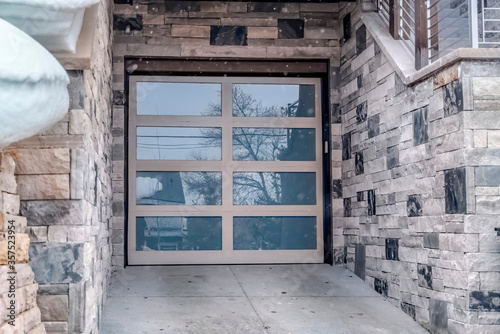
x: 33, y: 86
x: 56, y: 5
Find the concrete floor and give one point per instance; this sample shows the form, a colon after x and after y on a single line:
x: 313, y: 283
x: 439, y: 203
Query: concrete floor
x: 275, y: 299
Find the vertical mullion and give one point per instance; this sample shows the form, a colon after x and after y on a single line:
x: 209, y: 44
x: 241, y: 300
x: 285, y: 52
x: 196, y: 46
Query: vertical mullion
x: 132, y: 168
x: 227, y: 169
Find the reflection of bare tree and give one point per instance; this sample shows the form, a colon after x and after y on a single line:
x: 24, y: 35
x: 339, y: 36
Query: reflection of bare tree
x: 263, y: 144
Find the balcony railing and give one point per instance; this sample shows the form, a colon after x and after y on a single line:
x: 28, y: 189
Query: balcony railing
x: 433, y: 28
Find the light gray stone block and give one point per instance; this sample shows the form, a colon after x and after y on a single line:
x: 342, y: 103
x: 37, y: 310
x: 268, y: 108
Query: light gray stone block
x: 53, y: 307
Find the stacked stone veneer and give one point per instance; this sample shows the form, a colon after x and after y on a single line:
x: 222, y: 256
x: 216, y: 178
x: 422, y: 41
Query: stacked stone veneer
x: 420, y: 186
x: 64, y: 183
x: 215, y: 30
x: 22, y: 291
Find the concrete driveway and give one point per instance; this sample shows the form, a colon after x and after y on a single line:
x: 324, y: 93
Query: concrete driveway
x: 275, y: 299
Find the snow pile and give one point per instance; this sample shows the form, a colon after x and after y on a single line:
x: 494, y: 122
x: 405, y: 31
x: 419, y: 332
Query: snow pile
x: 33, y: 87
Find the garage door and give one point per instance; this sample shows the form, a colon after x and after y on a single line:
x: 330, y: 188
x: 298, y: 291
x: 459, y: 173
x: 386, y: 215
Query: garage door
x: 225, y: 170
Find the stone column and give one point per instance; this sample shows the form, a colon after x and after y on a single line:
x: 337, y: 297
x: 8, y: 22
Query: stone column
x: 18, y: 289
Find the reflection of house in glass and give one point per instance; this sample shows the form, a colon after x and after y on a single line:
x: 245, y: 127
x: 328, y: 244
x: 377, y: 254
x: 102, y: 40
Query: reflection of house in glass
x: 175, y: 232
x: 178, y: 233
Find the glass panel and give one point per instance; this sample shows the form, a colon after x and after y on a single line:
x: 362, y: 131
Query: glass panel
x: 266, y: 188
x: 179, y: 188
x: 269, y: 233
x: 165, y: 143
x: 274, y: 144
x: 178, y: 233
x: 251, y: 100
x: 184, y: 99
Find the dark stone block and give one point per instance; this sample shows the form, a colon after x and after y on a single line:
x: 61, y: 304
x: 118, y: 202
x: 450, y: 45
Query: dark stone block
x: 420, y: 126
x: 76, y: 90
x: 337, y: 188
x: 347, y: 207
x: 118, y: 152
x: 57, y: 263
x: 359, y: 166
x: 408, y: 309
x: 346, y: 23
x: 487, y: 176
x: 487, y: 301
x: 121, y: 22
x: 118, y: 98
x: 360, y: 81
x: 373, y: 126
x: 455, y: 191
x: 266, y: 7
x: 381, y: 286
x: 346, y: 146
x: 453, y: 98
x: 392, y: 160
x: 360, y: 261
x: 118, y: 209
x: 431, y: 240
x: 414, y: 206
x: 361, y: 112
x: 290, y: 28
x: 361, y: 39
x: 399, y: 86
x: 372, y: 209
x: 156, y: 8
x: 392, y: 249
x: 54, y: 212
x: 360, y: 195
x: 228, y: 35
x: 424, y: 276
x: 182, y: 6
x: 336, y: 114
x: 438, y: 312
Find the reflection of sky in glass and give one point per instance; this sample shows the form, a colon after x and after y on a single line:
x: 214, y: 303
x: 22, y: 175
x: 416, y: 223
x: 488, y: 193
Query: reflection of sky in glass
x: 185, y: 99
x: 166, y: 143
x: 277, y: 97
x: 272, y: 95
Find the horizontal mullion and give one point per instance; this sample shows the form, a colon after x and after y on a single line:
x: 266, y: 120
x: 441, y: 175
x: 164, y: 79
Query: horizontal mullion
x: 179, y: 121
x: 275, y: 122
x: 219, y: 210
x: 243, y: 122
x: 178, y: 166
x: 217, y: 166
x: 277, y: 166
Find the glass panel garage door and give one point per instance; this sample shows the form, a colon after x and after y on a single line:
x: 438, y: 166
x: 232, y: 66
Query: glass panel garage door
x: 225, y: 170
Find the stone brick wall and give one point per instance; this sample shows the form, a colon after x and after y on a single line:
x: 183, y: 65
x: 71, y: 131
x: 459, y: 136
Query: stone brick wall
x: 64, y: 178
x: 420, y: 178
x: 19, y: 312
x: 215, y: 29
